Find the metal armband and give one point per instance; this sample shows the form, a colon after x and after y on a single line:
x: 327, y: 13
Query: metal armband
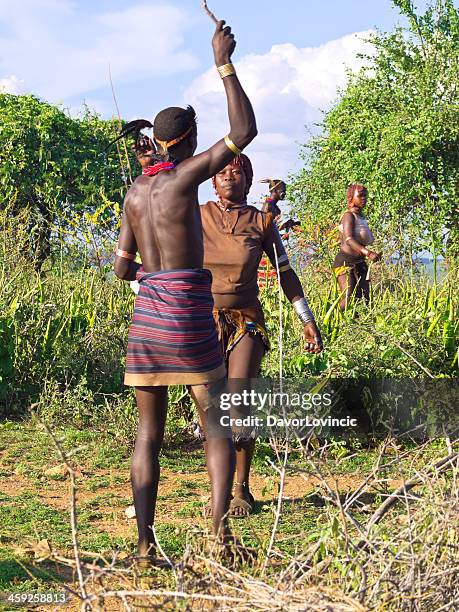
x: 302, y: 309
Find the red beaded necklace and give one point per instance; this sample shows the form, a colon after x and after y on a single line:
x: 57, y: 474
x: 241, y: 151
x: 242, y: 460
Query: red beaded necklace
x: 157, y: 168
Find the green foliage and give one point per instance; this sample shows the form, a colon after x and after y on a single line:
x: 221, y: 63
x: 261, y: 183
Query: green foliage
x: 396, y: 129
x: 407, y: 313
x: 55, y: 326
x: 55, y: 167
x: 64, y: 335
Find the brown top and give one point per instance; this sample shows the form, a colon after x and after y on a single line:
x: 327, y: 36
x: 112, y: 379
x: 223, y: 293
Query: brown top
x: 234, y: 242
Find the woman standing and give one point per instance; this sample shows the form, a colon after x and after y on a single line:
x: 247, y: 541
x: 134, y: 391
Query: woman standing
x: 235, y: 237
x: 350, y: 267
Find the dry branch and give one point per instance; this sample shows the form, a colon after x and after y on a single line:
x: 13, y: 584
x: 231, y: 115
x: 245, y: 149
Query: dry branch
x: 401, y: 492
x: 73, y: 516
x: 208, y: 11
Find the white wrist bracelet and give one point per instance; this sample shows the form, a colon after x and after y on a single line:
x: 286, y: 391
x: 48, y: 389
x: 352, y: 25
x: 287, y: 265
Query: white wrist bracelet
x: 302, y: 309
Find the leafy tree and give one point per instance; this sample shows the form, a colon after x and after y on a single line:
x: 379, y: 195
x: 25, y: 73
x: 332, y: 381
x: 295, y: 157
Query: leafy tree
x: 56, y: 167
x: 396, y: 129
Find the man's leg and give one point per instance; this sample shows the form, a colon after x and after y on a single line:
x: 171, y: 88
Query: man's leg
x: 152, y: 406
x: 220, y: 461
x: 244, y: 362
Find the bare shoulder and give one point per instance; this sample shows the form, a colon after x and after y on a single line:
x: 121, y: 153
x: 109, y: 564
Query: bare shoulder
x: 135, y: 196
x: 347, y: 216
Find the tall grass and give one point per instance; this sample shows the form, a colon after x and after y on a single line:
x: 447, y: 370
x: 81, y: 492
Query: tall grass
x: 64, y: 331
x: 409, y: 328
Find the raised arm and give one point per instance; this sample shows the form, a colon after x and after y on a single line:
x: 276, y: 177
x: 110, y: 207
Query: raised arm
x: 243, y: 128
x: 292, y: 288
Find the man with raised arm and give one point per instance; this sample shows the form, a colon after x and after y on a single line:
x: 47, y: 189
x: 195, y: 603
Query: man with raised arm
x: 172, y: 339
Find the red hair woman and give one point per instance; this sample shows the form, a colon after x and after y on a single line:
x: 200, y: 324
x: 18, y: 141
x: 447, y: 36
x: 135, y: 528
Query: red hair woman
x: 236, y: 236
x: 350, y: 267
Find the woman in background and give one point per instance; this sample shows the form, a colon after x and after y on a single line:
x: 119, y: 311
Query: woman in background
x: 350, y: 267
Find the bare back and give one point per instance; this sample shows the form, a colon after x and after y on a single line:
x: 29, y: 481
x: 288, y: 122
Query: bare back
x: 161, y: 213
x: 166, y: 223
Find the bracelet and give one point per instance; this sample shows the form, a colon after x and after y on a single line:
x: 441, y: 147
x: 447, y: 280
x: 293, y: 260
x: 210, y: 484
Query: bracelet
x: 231, y: 146
x: 302, y: 309
x: 365, y: 252
x: 124, y: 254
x: 226, y: 70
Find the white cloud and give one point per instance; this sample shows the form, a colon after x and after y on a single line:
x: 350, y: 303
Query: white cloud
x: 62, y: 51
x: 11, y: 85
x: 288, y: 87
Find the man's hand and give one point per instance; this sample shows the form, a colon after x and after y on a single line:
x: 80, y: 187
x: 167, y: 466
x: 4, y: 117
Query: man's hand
x: 223, y: 44
x: 372, y: 256
x: 312, y: 337
x: 144, y: 149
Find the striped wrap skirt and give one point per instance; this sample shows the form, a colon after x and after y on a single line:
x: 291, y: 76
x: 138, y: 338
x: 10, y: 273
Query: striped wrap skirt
x: 172, y: 338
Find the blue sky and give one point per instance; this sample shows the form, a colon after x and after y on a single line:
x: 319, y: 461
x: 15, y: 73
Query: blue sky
x: 291, y: 57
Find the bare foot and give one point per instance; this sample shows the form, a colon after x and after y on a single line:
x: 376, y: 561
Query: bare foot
x: 227, y: 547
x: 146, y: 557
x: 146, y: 549
x: 242, y: 502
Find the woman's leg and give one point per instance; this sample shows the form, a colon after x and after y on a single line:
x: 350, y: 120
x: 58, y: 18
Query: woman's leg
x: 152, y: 406
x: 363, y: 283
x: 244, y: 362
x: 346, y: 283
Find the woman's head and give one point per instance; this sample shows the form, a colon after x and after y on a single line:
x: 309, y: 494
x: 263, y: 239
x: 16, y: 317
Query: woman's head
x: 233, y: 182
x: 356, y: 195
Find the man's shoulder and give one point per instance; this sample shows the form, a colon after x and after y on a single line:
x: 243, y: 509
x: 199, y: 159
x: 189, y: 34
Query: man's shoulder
x: 140, y: 183
x: 135, y: 195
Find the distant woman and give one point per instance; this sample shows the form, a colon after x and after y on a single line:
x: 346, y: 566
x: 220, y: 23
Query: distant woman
x: 236, y: 236
x: 350, y: 267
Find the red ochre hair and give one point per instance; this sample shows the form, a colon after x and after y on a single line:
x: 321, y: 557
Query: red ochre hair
x: 242, y: 161
x: 351, y: 190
